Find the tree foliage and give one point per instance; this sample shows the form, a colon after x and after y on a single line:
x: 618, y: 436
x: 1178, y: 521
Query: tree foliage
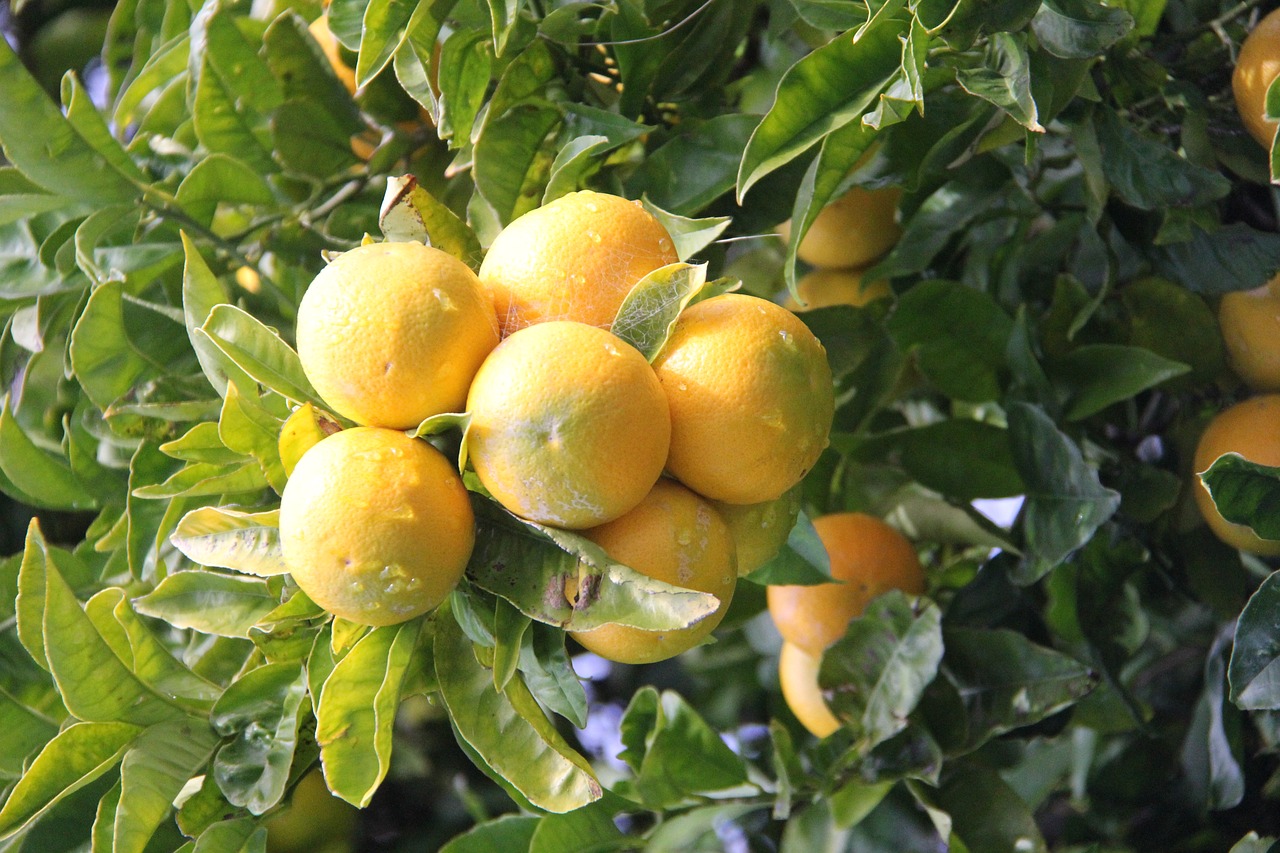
x: 1077, y: 192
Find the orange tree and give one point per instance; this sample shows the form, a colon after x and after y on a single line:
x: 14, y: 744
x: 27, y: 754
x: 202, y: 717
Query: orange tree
x: 1075, y: 192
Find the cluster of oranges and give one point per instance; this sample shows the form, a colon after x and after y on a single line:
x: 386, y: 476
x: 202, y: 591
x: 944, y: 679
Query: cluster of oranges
x: 684, y: 469
x: 1249, y: 320
x: 848, y: 236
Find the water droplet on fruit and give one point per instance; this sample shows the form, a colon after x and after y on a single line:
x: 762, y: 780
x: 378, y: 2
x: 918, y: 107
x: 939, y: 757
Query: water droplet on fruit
x: 664, y: 244
x: 610, y: 348
x: 445, y: 300
x: 593, y: 237
x: 683, y: 386
x: 591, y: 206
x: 684, y: 537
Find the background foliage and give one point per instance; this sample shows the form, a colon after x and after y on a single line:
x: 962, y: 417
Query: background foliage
x: 1078, y: 191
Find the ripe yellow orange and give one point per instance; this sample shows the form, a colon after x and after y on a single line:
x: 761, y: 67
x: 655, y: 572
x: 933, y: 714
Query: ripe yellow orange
x: 575, y: 258
x: 760, y: 530
x: 1252, y: 429
x: 315, y: 821
x: 1250, y: 324
x: 1257, y: 64
x: 869, y: 556
x: 675, y: 536
x: 798, y: 675
x: 851, y: 231
x: 569, y: 426
x: 822, y: 288
x: 375, y: 526
x: 391, y: 333
x: 751, y: 398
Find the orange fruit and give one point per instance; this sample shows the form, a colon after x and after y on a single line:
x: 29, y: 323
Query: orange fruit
x: 569, y: 426
x: 1252, y: 429
x: 1250, y: 324
x: 675, y: 536
x: 391, y: 333
x: 851, y: 231
x: 798, y: 675
x: 751, y: 398
x: 1257, y: 64
x: 315, y: 821
x: 869, y: 556
x: 376, y: 527
x: 760, y: 530
x: 575, y: 258
x: 822, y: 288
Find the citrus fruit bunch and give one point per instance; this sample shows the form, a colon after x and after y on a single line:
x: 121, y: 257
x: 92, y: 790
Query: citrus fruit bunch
x: 849, y: 235
x: 868, y: 558
x: 684, y: 469
x: 1257, y: 65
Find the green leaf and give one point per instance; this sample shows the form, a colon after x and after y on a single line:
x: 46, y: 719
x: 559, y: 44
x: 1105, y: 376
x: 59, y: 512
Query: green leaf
x: 260, y: 713
x: 509, y: 159
x: 802, y: 561
x: 260, y: 352
x: 1004, y: 79
x: 508, y: 832
x: 296, y: 60
x: 515, y: 740
x: 119, y: 341
x: 826, y: 90
x: 246, y: 427
x: 204, y: 479
x: 680, y: 754
x: 531, y: 565
x: 1079, y: 29
x: 1244, y: 492
x: 588, y: 828
x: 1254, y: 674
x: 690, y: 236
x: 243, y: 835
x: 95, y: 684
x: 823, y: 180
x: 221, y: 179
x: 209, y: 602
x: 697, y: 165
x: 509, y: 628
x: 958, y: 336
x: 78, y: 755
x: 874, y: 676
x: 158, y: 764
x: 1148, y: 174
x: 986, y: 813
x: 42, y: 478
x: 201, y: 292
x: 1066, y: 503
x: 225, y: 127
x: 652, y: 306
x: 544, y: 665
x: 381, y: 34
x: 1007, y: 682
x: 410, y: 213
x: 464, y: 73
x: 579, y: 158
x: 134, y: 642
x: 356, y: 712
x: 962, y: 459
x: 1212, y: 764
x: 229, y: 538
x: 1095, y: 376
x: 1232, y: 257
x: 702, y: 829
x: 23, y: 731
x: 1175, y: 324
x: 45, y: 147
